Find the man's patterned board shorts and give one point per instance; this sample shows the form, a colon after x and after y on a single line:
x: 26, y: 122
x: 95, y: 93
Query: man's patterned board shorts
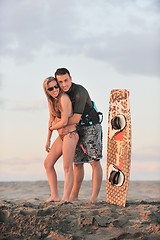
x: 89, y: 147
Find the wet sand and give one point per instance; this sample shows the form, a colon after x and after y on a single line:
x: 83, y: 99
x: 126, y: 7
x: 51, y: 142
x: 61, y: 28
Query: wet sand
x: 25, y: 215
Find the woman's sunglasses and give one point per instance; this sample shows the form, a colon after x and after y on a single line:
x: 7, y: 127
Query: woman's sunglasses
x: 52, y: 88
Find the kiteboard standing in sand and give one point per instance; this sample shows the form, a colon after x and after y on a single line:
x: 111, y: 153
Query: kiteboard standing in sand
x: 119, y: 147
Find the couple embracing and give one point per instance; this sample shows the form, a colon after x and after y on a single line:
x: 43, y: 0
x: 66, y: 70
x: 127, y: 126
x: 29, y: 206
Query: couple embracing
x: 74, y: 116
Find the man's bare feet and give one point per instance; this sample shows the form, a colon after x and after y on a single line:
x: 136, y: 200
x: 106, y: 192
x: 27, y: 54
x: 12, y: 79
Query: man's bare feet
x: 73, y: 198
x: 65, y: 202
x: 92, y: 200
x: 52, y: 199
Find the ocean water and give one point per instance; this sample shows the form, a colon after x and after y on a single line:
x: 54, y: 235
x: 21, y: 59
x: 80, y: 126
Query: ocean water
x: 138, y: 190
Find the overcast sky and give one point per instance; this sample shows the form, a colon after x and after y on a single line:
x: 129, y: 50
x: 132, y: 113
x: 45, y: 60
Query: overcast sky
x: 105, y: 44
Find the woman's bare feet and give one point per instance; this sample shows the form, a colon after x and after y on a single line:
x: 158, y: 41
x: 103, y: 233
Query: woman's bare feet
x: 52, y: 199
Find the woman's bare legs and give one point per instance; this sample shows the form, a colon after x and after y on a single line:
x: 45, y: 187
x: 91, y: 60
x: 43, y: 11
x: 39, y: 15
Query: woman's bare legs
x: 69, y: 147
x: 52, y: 157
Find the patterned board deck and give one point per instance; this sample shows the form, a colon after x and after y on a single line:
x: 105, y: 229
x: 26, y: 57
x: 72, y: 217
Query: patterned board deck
x: 119, y: 147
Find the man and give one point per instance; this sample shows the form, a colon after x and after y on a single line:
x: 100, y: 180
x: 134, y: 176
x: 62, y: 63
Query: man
x: 89, y: 147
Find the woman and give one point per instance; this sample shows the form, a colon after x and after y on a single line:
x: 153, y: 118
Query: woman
x: 60, y: 109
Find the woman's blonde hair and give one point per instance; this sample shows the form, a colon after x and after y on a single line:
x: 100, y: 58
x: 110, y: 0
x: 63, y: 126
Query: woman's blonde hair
x: 45, y: 86
x: 54, y: 103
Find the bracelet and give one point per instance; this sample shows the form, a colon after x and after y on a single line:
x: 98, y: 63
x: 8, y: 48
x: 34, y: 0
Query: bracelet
x: 50, y: 129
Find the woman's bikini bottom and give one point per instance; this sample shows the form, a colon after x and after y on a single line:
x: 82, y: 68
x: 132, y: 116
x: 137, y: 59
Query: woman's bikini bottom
x: 71, y: 133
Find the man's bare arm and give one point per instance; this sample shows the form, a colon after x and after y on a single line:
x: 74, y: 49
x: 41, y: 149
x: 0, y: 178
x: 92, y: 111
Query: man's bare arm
x: 74, y: 119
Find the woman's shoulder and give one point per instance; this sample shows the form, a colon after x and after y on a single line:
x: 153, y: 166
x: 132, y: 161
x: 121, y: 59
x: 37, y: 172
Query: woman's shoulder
x: 64, y: 96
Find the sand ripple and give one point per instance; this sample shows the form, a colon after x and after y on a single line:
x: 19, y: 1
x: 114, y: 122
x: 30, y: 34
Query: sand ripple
x: 80, y: 221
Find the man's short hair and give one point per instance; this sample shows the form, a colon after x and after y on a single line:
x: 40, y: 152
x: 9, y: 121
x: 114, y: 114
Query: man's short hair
x: 62, y: 71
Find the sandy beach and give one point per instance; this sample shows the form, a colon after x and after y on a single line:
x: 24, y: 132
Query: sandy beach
x: 25, y: 215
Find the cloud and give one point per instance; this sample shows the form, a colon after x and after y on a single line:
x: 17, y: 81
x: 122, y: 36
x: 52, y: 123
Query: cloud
x: 36, y: 105
x: 23, y: 172
x: 28, y: 26
x: 145, y: 171
x: 124, y: 35
x: 19, y: 161
x: 128, y: 53
x: 1, y: 87
x: 27, y: 169
x: 148, y: 154
x: 145, y: 163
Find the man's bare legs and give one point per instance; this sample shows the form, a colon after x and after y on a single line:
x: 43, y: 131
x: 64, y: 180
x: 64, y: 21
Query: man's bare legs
x: 69, y: 147
x: 78, y: 178
x: 52, y: 157
x: 96, y: 180
x: 97, y: 174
